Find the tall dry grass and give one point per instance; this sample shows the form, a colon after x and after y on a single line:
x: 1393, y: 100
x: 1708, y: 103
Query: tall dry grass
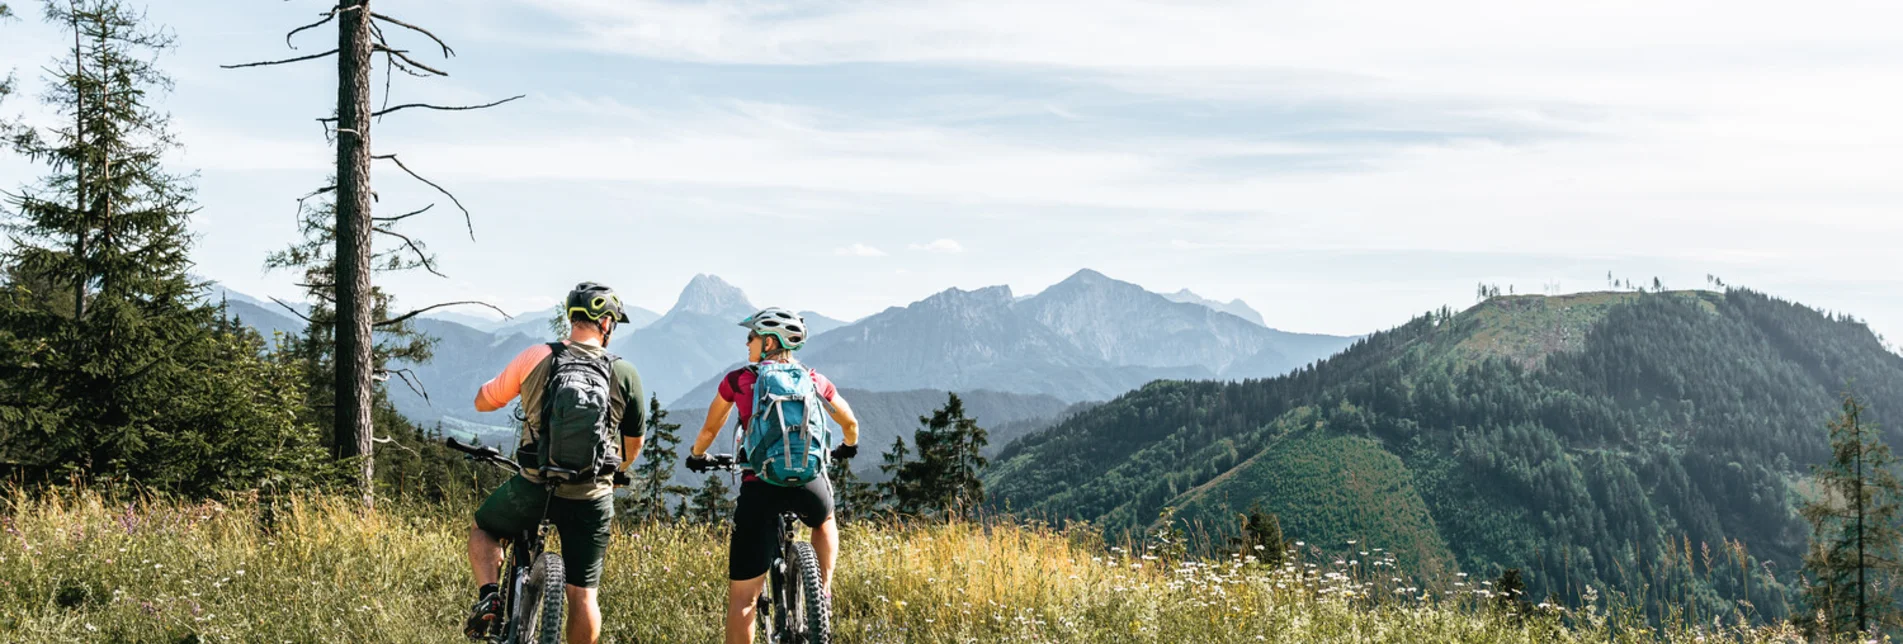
x: 80, y: 567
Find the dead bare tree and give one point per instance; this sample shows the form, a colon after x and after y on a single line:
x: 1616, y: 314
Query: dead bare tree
x: 360, y: 37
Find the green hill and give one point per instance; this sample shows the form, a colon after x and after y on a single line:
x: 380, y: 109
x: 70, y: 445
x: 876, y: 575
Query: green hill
x: 1591, y: 440
x: 1332, y: 490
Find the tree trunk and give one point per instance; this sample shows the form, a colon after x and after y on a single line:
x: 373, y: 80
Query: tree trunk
x: 353, y: 384
x: 79, y: 169
x: 1856, y: 431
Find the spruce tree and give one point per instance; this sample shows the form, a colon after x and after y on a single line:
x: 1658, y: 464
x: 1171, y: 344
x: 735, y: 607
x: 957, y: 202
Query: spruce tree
x: 656, y: 470
x: 896, y: 493
x: 712, y: 503
x: 1261, y: 536
x: 854, y: 496
x: 944, y: 479
x: 1857, y: 523
x: 117, y: 365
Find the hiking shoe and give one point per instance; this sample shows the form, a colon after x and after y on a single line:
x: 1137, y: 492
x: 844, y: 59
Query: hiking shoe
x: 483, y: 616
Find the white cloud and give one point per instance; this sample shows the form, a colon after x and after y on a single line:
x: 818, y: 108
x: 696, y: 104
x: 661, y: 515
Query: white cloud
x: 859, y: 250
x: 940, y: 246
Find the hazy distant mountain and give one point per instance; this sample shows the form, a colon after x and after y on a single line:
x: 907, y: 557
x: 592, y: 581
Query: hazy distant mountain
x: 1234, y: 307
x: 266, y: 319
x: 535, y: 323
x: 693, y: 341
x: 961, y: 340
x: 817, y: 323
x: 1087, y: 338
x: 474, y: 317
x: 1126, y: 325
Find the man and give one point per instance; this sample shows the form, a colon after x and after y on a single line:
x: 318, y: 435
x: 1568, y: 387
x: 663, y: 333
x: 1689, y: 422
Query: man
x: 580, y: 510
x: 773, y: 335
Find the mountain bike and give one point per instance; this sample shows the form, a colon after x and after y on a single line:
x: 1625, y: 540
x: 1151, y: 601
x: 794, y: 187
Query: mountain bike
x: 794, y: 607
x: 532, y: 590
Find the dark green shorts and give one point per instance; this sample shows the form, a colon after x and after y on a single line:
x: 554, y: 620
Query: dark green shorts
x: 516, y: 507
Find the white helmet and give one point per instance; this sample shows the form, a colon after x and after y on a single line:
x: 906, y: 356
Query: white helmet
x: 780, y: 323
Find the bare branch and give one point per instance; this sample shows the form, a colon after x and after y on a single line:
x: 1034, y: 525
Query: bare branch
x: 404, y: 375
x: 287, y: 307
x: 459, y: 204
x: 445, y: 108
x: 401, y: 318
x: 328, y: 16
x: 421, y: 257
x: 404, y: 216
x: 282, y: 62
x: 390, y: 441
x: 447, y: 52
x: 404, y: 54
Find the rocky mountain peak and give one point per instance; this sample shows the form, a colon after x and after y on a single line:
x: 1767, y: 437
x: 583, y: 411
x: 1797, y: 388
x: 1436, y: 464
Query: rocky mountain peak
x: 710, y: 295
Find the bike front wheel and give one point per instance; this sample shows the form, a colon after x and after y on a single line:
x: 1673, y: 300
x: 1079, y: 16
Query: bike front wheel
x: 540, y: 618
x: 811, y: 610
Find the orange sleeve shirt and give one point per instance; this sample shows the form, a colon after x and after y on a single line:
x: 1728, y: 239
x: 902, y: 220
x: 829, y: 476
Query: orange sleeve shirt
x: 506, y: 386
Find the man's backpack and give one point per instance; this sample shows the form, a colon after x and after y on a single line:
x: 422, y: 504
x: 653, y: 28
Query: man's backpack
x: 576, y: 441
x: 787, y: 439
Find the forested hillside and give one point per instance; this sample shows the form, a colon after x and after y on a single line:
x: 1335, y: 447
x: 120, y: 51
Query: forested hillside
x: 1631, y: 440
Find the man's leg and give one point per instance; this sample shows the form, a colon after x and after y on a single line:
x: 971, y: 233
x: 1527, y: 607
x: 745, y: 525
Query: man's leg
x: 584, y: 616
x: 485, y: 556
x: 825, y: 544
x: 584, y: 528
x: 742, y: 597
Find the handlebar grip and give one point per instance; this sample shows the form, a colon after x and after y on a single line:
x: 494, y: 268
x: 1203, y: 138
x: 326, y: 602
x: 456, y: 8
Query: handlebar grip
x: 484, y: 452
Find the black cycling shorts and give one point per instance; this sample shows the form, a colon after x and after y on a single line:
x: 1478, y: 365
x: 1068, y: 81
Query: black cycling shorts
x: 756, y: 521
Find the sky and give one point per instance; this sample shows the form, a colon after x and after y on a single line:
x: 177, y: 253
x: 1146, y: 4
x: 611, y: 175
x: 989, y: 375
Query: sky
x: 1341, y: 166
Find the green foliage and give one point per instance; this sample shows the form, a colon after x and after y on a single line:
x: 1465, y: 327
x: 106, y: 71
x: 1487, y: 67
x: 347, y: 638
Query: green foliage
x: 116, y: 368
x: 853, y: 497
x: 653, y: 477
x: 712, y: 502
x: 1330, y: 490
x: 1638, y: 442
x: 1260, y: 536
x: 1853, y: 562
x: 944, y: 479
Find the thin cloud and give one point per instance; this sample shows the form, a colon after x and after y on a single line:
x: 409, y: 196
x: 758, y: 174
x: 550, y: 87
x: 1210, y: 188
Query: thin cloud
x: 859, y: 250
x: 940, y: 246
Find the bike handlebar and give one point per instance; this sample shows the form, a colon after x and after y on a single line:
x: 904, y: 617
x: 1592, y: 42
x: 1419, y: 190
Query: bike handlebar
x: 484, y: 454
x: 722, y: 462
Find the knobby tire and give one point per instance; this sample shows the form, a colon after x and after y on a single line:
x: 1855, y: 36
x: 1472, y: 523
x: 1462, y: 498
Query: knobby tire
x: 541, y: 615
x: 815, y: 606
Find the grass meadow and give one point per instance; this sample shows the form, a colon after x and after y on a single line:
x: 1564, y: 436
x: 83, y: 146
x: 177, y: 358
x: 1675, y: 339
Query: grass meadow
x: 86, y: 567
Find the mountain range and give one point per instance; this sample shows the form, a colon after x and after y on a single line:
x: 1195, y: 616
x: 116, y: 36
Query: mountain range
x: 1593, y: 440
x: 1087, y: 338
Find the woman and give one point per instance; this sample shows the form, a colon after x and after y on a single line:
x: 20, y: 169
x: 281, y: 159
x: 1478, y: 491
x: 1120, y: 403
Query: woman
x: 773, y: 335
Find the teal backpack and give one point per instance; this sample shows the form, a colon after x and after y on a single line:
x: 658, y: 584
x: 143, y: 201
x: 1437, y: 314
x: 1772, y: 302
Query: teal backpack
x: 787, y: 439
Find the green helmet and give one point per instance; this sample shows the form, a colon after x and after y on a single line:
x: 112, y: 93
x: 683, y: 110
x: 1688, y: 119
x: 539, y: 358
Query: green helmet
x: 594, y: 300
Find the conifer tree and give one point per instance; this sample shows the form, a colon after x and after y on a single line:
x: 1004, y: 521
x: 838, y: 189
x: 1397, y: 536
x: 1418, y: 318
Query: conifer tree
x: 895, y: 493
x: 1261, y: 536
x: 117, y: 367
x: 1857, y: 523
x: 944, y: 478
x: 855, y: 497
x: 712, y: 503
x: 656, y: 470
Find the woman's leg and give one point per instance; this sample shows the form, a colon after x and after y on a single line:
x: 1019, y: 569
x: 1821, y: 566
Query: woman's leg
x: 742, y: 598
